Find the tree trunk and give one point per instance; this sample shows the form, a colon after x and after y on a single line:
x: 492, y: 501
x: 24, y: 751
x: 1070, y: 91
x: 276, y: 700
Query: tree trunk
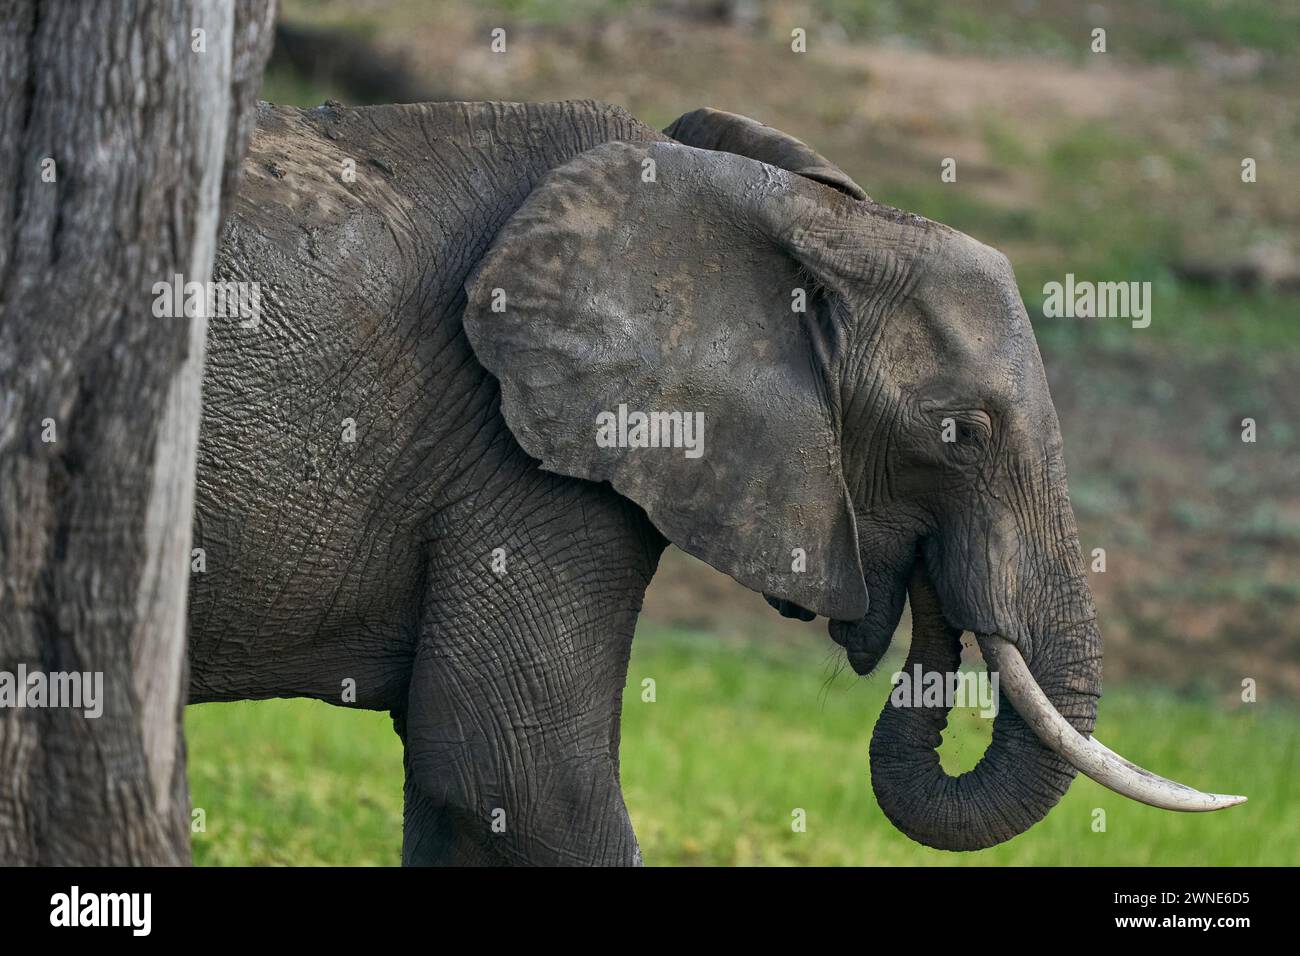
x: 121, y: 126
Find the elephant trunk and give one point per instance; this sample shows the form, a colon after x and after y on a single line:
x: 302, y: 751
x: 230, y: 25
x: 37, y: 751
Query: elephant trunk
x: 1017, y: 781
x: 1039, y: 742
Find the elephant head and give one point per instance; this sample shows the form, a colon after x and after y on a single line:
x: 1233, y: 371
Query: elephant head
x: 875, y: 423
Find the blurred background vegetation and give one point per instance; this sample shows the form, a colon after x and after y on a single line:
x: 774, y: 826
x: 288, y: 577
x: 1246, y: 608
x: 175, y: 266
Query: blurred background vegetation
x: 1117, y: 166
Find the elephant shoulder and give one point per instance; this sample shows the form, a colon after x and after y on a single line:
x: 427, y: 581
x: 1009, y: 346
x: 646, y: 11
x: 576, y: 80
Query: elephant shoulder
x: 302, y: 168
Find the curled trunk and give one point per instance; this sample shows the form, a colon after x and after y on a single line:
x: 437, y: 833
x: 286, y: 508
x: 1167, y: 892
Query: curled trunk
x: 1017, y: 781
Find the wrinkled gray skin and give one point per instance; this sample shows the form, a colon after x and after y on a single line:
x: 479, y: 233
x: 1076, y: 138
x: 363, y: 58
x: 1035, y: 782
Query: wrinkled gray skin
x: 371, y: 561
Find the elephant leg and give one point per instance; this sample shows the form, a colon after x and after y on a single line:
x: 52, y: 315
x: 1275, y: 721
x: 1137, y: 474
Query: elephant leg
x: 512, y: 723
x: 428, y: 830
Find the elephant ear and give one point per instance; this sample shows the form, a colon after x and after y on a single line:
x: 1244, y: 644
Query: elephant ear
x: 656, y: 278
x: 732, y: 133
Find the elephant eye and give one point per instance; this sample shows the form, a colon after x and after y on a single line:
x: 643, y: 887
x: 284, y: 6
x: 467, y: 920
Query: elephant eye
x: 973, y: 429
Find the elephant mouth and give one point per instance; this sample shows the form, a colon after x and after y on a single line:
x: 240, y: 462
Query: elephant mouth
x: 864, y: 661
x: 867, y: 640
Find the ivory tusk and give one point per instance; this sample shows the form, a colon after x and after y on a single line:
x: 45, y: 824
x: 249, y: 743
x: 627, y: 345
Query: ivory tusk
x: 1088, y: 755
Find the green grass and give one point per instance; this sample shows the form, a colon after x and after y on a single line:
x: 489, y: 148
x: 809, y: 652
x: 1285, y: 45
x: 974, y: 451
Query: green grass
x: 294, y: 783
x: 736, y: 739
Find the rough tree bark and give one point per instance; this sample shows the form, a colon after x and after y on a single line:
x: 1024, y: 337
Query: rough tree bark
x: 117, y: 136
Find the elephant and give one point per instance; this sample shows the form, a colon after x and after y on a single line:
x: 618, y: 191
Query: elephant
x: 405, y: 504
